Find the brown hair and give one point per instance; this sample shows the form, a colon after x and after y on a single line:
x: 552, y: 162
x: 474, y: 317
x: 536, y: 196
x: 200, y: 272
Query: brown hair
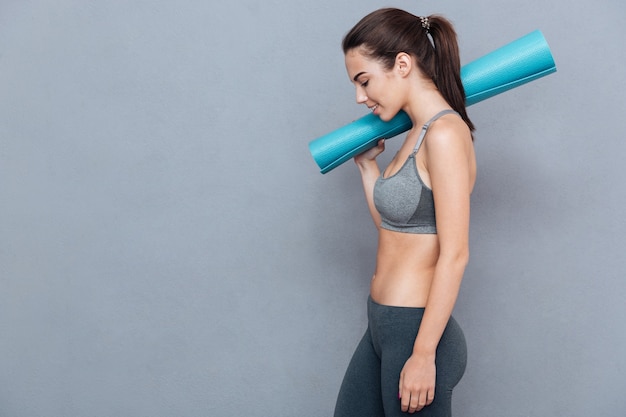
x: 386, y: 32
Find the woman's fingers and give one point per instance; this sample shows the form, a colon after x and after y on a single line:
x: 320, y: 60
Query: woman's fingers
x: 417, y: 383
x: 412, y: 402
x: 430, y: 397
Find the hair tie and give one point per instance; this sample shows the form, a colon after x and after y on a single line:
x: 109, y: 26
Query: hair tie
x: 425, y: 23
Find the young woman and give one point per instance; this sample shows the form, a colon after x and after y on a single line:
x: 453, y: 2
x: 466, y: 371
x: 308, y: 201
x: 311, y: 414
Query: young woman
x: 413, y: 352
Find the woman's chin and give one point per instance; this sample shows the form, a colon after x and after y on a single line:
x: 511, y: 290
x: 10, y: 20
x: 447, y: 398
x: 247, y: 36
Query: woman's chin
x: 386, y: 116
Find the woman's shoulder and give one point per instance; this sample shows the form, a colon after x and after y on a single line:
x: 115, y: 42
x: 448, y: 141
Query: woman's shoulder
x: 448, y: 132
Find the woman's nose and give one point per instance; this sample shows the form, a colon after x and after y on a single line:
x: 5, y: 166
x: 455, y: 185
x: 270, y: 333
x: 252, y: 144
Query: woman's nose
x: 361, y: 97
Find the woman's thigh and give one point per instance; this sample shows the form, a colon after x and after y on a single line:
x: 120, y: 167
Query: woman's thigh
x: 360, y: 393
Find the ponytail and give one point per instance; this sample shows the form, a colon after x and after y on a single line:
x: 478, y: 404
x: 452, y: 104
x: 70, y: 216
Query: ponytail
x: 447, y: 74
x: 386, y: 32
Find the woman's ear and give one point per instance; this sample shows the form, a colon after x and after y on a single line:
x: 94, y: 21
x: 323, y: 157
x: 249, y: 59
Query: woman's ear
x: 404, y: 63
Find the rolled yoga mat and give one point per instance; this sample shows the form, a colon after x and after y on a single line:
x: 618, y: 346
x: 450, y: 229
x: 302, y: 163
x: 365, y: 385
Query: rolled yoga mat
x: 510, y: 66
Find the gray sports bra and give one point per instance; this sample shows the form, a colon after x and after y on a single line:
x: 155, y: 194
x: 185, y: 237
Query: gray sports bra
x: 404, y: 202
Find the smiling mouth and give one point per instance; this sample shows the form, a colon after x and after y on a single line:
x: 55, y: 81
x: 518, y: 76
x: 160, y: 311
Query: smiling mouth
x: 373, y: 108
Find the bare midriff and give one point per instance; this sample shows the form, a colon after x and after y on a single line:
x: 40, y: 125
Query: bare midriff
x: 405, y: 266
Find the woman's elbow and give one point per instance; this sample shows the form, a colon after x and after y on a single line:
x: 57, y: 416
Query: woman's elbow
x: 458, y: 257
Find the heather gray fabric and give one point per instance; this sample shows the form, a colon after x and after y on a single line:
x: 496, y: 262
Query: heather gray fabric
x: 370, y: 385
x: 404, y: 202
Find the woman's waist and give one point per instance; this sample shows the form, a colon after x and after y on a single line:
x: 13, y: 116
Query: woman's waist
x: 396, y: 258
x: 401, y: 287
x: 405, y: 266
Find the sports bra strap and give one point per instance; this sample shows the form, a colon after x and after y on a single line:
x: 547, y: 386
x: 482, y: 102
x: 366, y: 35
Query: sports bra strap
x: 427, y: 125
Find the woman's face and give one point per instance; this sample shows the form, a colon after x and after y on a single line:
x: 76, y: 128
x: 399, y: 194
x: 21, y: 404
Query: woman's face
x: 376, y: 87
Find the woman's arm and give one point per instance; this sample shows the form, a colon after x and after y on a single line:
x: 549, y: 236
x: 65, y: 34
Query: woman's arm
x: 449, y: 160
x: 368, y: 167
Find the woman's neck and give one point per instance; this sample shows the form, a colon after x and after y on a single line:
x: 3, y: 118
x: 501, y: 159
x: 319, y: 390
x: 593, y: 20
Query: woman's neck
x: 424, y: 101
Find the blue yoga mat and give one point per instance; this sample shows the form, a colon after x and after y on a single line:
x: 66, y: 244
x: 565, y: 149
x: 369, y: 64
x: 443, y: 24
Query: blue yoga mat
x: 510, y: 66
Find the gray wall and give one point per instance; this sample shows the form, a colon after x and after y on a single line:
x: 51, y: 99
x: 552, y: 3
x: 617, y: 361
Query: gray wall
x: 169, y: 248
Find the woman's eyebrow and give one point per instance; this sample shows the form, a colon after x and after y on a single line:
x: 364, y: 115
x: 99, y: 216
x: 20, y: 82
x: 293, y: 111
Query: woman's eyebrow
x: 358, y: 75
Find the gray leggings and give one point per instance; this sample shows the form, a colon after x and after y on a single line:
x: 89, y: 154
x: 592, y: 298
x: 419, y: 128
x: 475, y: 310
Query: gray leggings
x: 370, y: 386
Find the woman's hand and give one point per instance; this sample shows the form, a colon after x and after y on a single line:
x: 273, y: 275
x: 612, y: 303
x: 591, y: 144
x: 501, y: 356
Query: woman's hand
x: 370, y: 155
x: 417, y: 383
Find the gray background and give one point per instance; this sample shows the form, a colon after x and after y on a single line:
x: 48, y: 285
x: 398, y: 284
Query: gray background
x: 169, y: 248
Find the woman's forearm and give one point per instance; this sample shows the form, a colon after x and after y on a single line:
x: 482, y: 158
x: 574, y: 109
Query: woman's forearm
x: 441, y: 300
x: 369, y: 173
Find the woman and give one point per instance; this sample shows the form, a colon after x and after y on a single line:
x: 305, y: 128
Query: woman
x: 413, y: 352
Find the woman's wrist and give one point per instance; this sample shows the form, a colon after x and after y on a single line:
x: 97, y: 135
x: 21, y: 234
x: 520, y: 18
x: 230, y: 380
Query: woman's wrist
x: 425, y: 354
x: 366, y: 164
x: 424, y: 349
